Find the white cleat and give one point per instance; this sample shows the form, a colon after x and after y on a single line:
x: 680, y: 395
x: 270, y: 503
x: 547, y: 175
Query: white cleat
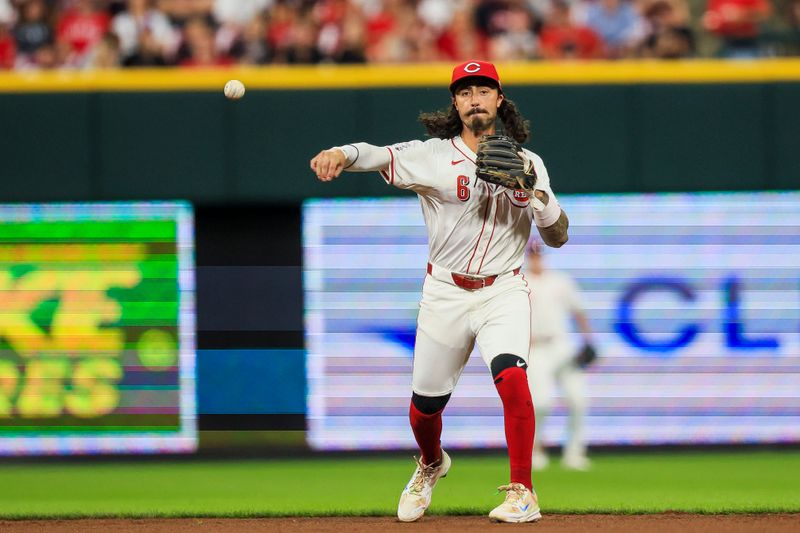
x: 521, y: 505
x: 416, y: 496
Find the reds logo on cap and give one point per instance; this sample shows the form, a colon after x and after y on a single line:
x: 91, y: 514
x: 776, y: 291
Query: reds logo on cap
x: 472, y: 67
x: 475, y: 68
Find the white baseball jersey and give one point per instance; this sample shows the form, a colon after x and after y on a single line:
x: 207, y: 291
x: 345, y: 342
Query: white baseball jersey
x: 474, y: 227
x: 554, y: 298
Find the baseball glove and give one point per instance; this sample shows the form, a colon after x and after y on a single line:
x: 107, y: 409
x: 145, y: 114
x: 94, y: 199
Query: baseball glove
x: 585, y: 356
x: 502, y: 161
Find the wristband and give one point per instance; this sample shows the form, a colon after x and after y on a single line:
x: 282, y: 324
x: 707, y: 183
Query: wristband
x: 549, y: 215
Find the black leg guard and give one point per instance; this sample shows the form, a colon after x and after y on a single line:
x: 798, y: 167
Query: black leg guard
x: 429, y: 404
x: 507, y: 360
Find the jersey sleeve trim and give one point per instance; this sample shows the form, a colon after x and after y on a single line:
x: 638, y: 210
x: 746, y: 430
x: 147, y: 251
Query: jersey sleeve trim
x: 388, y: 174
x: 353, y: 162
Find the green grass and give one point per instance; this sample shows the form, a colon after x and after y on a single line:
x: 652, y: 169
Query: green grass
x: 711, y: 482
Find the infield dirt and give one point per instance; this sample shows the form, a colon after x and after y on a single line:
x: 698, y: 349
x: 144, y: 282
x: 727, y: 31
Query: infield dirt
x: 443, y: 524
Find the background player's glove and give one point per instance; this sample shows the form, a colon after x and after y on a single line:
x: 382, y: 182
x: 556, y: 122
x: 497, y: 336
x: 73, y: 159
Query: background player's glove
x: 502, y: 161
x: 585, y: 356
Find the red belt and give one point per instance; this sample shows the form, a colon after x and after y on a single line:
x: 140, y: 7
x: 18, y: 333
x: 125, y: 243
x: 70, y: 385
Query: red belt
x: 471, y: 283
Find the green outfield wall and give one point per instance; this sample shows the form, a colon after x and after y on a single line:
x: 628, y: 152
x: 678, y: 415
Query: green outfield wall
x: 167, y: 134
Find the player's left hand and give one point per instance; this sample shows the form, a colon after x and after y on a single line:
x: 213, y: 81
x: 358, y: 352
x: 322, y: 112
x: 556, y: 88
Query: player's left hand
x: 539, y: 199
x: 502, y: 161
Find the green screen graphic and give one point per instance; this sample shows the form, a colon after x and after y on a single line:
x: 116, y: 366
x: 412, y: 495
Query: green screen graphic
x: 96, y: 328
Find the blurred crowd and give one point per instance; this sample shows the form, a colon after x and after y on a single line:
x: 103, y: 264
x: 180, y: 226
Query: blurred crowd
x: 46, y: 34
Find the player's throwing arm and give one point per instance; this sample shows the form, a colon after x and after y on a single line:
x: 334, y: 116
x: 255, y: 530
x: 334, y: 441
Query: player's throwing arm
x: 356, y: 157
x: 328, y: 164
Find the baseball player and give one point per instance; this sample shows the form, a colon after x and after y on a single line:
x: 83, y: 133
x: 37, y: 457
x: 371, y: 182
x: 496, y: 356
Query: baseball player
x: 555, y: 301
x: 473, y: 292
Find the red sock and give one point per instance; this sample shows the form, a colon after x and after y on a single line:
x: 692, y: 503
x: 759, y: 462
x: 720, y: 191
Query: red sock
x: 512, y: 384
x: 428, y: 432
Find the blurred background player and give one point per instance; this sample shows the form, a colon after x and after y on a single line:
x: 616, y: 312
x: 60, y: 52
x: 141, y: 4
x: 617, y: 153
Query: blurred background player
x: 555, y: 299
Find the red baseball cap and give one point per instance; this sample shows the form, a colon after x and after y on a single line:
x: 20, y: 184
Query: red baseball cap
x: 475, y: 69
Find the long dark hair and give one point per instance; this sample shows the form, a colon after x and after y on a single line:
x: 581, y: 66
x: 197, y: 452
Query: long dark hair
x: 446, y: 123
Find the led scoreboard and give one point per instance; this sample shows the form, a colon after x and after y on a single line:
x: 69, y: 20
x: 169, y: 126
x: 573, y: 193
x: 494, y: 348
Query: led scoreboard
x: 97, y: 328
x: 694, y: 300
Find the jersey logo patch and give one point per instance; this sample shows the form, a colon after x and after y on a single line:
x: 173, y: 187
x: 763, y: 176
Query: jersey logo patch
x: 518, y: 197
x: 456, y: 162
x: 402, y: 146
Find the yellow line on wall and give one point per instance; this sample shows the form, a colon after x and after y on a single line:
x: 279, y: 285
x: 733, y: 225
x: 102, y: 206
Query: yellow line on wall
x: 415, y: 75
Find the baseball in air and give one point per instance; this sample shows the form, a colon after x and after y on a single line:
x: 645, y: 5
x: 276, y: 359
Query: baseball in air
x: 234, y: 90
